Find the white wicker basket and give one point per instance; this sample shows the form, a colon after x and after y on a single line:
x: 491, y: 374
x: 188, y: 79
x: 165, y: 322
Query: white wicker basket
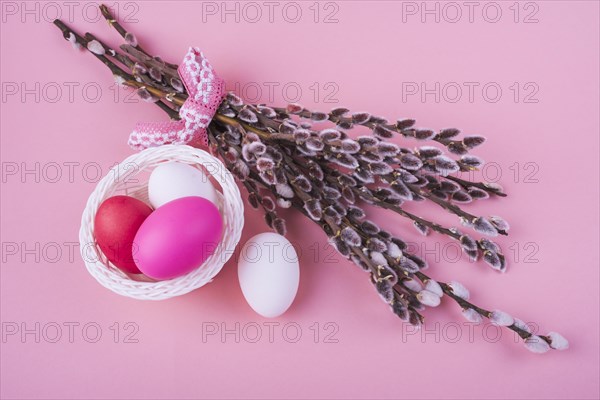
x: 127, y: 178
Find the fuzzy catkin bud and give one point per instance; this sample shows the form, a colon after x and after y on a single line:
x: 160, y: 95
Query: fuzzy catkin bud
x: 459, y: 290
x: 473, y: 141
x: 356, y: 213
x: 445, y: 166
x: 303, y: 183
x: 318, y: 116
x: 468, y: 243
x: 314, y: 144
x: 345, y: 160
x: 401, y: 190
x: 95, y: 47
x: 461, y: 197
x: 501, y: 318
x: 313, y: 208
x: 400, y: 310
x: 279, y: 226
x: 484, y: 226
x: 145, y: 95
x: 378, y: 258
x: 408, y: 264
x: 253, y: 200
x: 348, y: 195
x: 458, y: 148
x: 369, y: 227
x: 495, y: 187
x: 268, y: 203
x: 315, y: 171
x: 294, y: 108
x: 447, y: 133
x: 472, y: 316
x: 331, y: 193
x: 264, y: 164
x: 385, y: 290
x: 383, y: 132
x: 412, y: 284
x: 350, y: 146
x: 360, y: 118
x: 558, y: 341
x: 422, y: 229
x: 387, y: 149
x: 367, y: 142
x: 340, y: 246
x: 536, y: 344
x: 380, y: 168
x: 267, y: 176
x: 256, y: 148
x: 284, y: 190
x: 301, y: 135
x: 393, y: 250
x: 521, y: 325
x: 234, y: 99
x: 329, y: 135
x: 283, y: 203
x: 428, y: 298
x: 73, y: 40
x: 472, y: 254
x: 267, y: 111
x: 487, y: 244
x: 376, y: 245
x: 404, y: 123
x: 471, y: 162
x: 478, y: 194
x: 350, y: 236
x: 494, y: 260
x: 339, y: 111
x: 414, y: 319
x: 434, y: 287
x: 248, y: 116
x: 363, y: 175
x: 449, y: 186
x: 424, y: 134
x: 499, y: 223
x: 429, y: 152
x: 410, y: 162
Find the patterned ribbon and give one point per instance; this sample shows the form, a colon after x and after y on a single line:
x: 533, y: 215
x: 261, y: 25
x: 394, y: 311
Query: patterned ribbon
x: 206, y: 91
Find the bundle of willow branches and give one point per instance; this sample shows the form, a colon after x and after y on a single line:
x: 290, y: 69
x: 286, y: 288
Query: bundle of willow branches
x: 295, y: 157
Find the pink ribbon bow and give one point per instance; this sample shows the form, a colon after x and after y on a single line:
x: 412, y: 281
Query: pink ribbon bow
x: 206, y: 91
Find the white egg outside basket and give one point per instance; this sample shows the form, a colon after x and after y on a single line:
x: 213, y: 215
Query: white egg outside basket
x: 121, y: 180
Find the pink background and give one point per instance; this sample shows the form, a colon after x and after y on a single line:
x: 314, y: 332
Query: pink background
x: 368, y: 56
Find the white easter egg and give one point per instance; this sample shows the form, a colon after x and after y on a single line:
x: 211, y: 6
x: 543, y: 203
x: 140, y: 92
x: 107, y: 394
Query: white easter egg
x: 173, y: 180
x: 269, y: 274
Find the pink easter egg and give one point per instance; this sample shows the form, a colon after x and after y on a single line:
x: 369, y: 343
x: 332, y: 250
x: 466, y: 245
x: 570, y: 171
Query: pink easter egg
x: 178, y: 237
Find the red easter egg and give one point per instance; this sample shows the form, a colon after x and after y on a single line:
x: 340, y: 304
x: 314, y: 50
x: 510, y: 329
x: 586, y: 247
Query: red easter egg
x: 117, y: 221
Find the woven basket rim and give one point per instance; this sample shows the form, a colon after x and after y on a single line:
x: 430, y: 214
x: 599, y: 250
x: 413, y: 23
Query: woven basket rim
x: 140, y: 287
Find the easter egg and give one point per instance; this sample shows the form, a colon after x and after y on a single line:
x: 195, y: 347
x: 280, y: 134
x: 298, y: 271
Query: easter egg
x: 178, y: 237
x: 173, y: 180
x: 115, y: 225
x: 269, y: 274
